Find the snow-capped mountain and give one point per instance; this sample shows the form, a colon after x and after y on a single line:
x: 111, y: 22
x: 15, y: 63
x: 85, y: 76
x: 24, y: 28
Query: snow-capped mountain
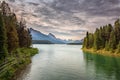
x: 74, y: 41
x: 43, y: 38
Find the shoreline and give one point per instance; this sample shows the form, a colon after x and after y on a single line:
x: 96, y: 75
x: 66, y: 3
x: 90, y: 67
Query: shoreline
x: 21, y: 72
x: 101, y: 52
x: 19, y: 64
x: 22, y: 68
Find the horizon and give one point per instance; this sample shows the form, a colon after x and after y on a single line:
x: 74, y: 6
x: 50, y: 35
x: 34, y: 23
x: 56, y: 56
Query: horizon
x: 55, y: 35
x: 66, y: 19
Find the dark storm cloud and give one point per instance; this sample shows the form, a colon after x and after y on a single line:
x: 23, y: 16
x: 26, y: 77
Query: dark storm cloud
x: 91, y: 7
x: 101, y: 7
x: 67, y: 17
x: 35, y: 4
x: 12, y: 0
x: 65, y: 5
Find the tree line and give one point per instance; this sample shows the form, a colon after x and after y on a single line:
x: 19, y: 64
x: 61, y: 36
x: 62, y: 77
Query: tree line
x: 13, y: 33
x: 106, y: 37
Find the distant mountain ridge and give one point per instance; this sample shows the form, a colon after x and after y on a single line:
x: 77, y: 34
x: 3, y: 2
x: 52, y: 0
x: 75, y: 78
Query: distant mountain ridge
x: 41, y: 38
x: 50, y: 38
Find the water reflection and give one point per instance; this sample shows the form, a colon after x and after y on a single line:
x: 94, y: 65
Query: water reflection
x: 108, y: 68
x: 25, y: 73
x: 68, y: 62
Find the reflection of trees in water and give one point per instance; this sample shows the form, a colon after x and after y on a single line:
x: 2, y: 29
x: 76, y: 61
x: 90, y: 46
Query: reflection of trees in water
x: 108, y: 66
x: 25, y: 73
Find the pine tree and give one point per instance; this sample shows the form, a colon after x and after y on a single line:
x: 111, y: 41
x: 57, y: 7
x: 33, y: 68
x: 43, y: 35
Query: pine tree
x: 91, y: 40
x: 117, y: 30
x: 107, y: 46
x: 10, y: 24
x: 3, y: 39
x: 106, y: 37
x: 112, y: 41
x: 118, y: 48
x: 108, y: 29
x: 101, y: 38
x: 87, y: 40
x: 84, y: 43
x: 25, y: 39
x: 12, y: 34
x: 96, y: 40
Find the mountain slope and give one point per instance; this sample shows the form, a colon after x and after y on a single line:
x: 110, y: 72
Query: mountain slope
x: 40, y: 37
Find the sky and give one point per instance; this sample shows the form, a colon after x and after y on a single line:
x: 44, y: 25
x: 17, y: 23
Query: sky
x: 66, y: 19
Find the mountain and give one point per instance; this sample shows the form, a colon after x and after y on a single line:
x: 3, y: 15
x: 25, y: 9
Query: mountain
x: 75, y: 42
x: 41, y: 38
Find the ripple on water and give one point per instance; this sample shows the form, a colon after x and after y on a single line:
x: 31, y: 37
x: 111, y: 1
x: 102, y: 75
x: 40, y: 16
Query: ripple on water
x: 68, y: 62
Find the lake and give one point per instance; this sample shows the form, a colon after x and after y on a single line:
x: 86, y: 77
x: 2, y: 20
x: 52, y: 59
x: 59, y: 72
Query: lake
x: 69, y: 62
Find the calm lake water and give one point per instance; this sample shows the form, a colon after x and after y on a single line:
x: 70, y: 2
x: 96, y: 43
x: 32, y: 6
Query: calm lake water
x: 69, y: 62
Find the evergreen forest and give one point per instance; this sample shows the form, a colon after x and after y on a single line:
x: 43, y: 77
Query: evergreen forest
x: 105, y: 38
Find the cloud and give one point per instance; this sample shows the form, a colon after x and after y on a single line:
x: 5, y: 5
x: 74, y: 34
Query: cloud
x: 67, y: 18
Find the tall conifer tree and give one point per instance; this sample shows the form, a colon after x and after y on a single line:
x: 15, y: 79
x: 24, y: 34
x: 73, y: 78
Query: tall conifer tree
x: 3, y: 39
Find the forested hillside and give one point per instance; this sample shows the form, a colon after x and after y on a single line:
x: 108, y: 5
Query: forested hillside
x: 13, y: 33
x: 105, y: 38
x: 15, y: 42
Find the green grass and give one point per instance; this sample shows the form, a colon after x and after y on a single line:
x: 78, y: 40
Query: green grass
x: 21, y: 58
x: 102, y: 52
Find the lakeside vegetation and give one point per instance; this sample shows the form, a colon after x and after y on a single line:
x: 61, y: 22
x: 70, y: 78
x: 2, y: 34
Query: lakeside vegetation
x: 105, y: 40
x: 15, y: 44
x: 14, y: 64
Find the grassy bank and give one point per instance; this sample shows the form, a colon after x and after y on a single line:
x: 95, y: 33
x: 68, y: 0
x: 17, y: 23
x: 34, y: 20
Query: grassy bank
x: 14, y: 64
x: 102, y: 52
